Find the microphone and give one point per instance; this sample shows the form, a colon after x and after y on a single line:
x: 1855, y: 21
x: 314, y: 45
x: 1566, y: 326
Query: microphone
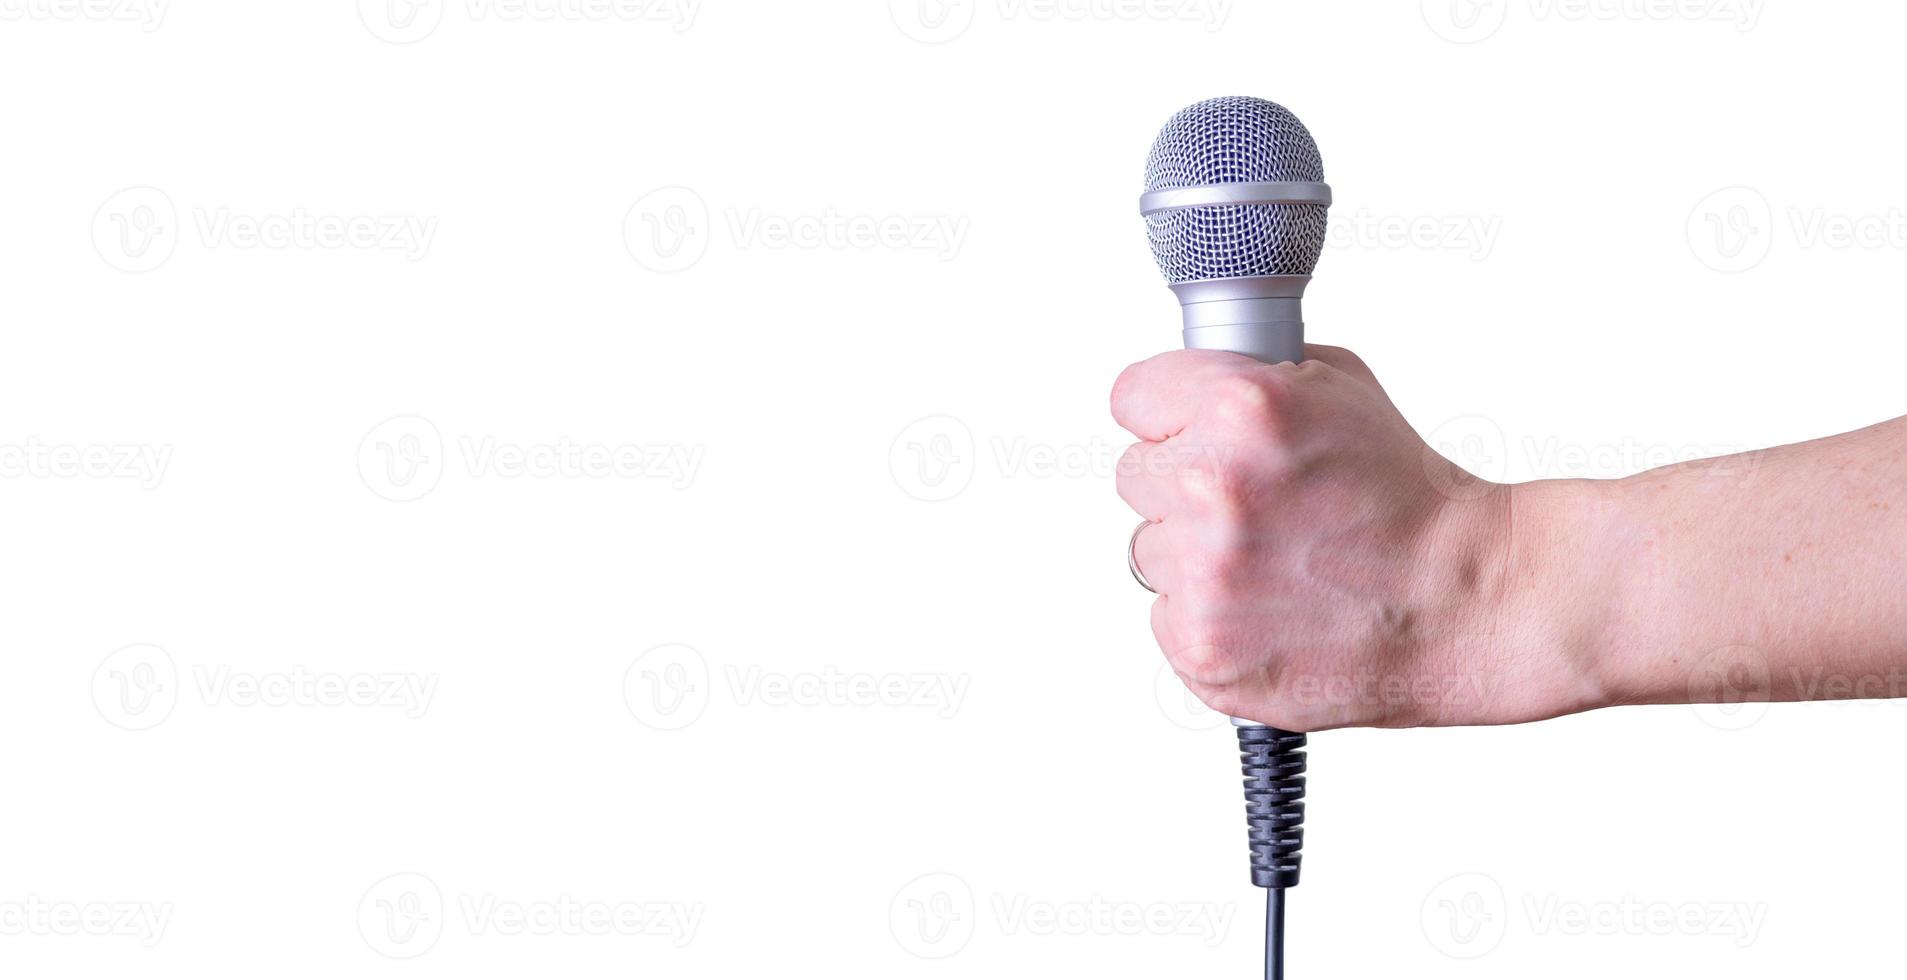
x: 1235, y: 206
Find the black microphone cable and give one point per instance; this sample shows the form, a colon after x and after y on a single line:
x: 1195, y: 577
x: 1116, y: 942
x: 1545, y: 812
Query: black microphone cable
x: 1273, y: 762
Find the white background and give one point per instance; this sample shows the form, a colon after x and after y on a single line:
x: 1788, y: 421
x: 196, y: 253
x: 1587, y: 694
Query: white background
x: 840, y: 672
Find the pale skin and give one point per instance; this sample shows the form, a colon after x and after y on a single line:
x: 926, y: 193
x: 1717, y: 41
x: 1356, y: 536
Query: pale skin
x: 1320, y: 567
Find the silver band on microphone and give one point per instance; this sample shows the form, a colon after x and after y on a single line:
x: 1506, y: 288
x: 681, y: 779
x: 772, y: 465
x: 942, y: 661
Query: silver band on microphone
x: 1246, y: 192
x: 1258, y: 316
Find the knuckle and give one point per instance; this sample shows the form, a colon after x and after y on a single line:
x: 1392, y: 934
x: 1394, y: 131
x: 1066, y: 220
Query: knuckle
x: 1342, y: 355
x: 1130, y: 466
x: 1246, y: 397
x: 1203, y: 649
x: 1224, y: 700
x: 1127, y: 381
x: 1308, y: 370
x: 1144, y: 459
x: 1228, y: 573
x: 1217, y: 480
x: 1117, y: 399
x: 1202, y: 662
x: 1216, y: 572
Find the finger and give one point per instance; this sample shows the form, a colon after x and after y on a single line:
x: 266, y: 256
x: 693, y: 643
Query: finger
x: 1144, y: 479
x: 1155, y: 398
x: 1193, y: 663
x: 1161, y: 627
x: 1153, y: 552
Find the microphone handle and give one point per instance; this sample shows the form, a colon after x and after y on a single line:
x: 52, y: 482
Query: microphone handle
x: 1261, y: 317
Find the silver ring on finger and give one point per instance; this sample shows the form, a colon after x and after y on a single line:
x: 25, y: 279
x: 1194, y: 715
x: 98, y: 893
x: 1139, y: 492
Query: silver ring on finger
x: 1132, y: 557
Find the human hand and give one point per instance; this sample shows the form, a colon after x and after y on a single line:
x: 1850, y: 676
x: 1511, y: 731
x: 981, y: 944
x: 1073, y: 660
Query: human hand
x: 1318, y: 565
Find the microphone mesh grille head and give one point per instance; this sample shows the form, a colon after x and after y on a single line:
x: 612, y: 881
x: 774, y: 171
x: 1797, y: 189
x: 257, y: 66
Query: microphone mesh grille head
x: 1233, y: 140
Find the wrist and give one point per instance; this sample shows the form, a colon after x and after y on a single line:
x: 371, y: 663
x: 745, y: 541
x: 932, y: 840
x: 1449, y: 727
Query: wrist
x: 1556, y: 606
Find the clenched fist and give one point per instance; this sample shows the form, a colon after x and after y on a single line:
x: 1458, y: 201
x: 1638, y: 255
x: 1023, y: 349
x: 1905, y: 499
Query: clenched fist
x: 1318, y: 565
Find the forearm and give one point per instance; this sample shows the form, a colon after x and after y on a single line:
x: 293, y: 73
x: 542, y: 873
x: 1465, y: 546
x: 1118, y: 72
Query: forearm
x: 1786, y: 568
